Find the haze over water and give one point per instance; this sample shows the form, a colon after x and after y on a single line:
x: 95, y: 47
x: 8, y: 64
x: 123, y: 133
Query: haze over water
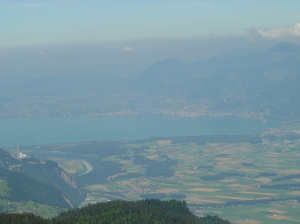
x: 45, y: 130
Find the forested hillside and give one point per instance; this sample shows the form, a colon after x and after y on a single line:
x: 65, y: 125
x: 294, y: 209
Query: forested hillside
x: 145, y: 211
x: 37, y: 180
x: 20, y: 188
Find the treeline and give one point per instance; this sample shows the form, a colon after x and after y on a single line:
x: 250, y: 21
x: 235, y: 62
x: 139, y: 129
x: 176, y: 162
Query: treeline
x: 221, y: 176
x: 146, y: 211
x: 245, y: 202
x: 101, y: 170
x: 154, y: 195
x: 267, y: 174
x: 293, y: 187
x: 201, y: 140
x: 289, y: 177
x: 156, y: 168
x: 247, y: 164
x: 101, y: 149
x: 209, y: 168
x: 127, y: 176
x: 177, y: 196
x: 22, y: 219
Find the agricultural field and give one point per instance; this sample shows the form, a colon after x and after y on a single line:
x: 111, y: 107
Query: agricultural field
x: 43, y: 210
x: 247, y: 178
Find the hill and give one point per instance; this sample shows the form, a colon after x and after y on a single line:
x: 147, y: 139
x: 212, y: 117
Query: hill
x: 48, y: 172
x: 145, y: 211
x: 20, y: 188
x: 37, y: 180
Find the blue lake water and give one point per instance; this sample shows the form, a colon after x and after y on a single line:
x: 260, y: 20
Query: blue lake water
x: 44, y: 130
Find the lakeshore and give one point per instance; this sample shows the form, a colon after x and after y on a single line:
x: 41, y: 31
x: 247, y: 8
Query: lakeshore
x: 46, y: 130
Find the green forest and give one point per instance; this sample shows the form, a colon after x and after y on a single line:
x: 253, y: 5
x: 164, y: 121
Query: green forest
x: 144, y: 211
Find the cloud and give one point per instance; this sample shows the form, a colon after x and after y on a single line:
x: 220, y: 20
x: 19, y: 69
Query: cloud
x: 41, y: 53
x: 279, y: 33
x: 127, y: 49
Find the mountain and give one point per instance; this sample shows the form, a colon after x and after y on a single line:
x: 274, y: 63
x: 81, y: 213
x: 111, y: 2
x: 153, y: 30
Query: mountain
x: 265, y: 82
x: 236, y: 82
x: 22, y: 188
x: 48, y: 172
x: 42, y: 174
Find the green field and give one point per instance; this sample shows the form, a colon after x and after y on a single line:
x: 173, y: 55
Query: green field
x: 239, y: 181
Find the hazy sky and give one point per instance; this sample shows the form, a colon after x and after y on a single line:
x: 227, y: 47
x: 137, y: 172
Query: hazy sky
x: 62, y: 35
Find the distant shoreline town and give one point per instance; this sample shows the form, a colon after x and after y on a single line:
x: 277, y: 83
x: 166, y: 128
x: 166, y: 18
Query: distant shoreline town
x: 178, y: 113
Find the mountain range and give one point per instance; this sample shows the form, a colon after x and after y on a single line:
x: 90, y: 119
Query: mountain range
x: 262, y: 82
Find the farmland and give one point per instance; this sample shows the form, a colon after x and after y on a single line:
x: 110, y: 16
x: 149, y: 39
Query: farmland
x: 251, y: 177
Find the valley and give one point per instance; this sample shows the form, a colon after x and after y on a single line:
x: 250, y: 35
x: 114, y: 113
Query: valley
x: 231, y: 176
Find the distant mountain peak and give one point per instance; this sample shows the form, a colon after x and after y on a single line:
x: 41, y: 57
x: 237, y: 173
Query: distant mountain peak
x: 168, y: 67
x: 284, y: 47
x: 170, y: 62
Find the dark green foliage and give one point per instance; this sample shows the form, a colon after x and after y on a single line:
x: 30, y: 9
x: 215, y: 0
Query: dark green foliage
x: 140, y: 148
x: 176, y: 196
x: 246, y: 202
x: 156, y: 168
x: 293, y: 187
x: 221, y: 176
x: 101, y: 149
x: 289, y: 177
x: 125, y: 157
x: 205, y: 168
x: 27, y: 218
x: 7, y: 160
x: 291, y: 137
x: 271, y: 137
x: 248, y: 164
x: 101, y: 170
x: 154, y: 196
x: 267, y: 174
x: 141, y: 160
x: 44, y: 173
x: 221, y: 155
x: 145, y: 211
x: 24, y: 188
x: 49, y: 173
x: 201, y: 140
x: 161, y: 169
x: 213, y: 220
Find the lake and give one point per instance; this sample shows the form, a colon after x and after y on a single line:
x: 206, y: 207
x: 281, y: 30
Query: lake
x: 45, y: 130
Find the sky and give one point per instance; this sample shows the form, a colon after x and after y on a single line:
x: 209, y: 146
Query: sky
x: 123, y: 37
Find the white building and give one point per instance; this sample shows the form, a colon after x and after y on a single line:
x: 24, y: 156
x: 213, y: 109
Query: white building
x: 21, y: 155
